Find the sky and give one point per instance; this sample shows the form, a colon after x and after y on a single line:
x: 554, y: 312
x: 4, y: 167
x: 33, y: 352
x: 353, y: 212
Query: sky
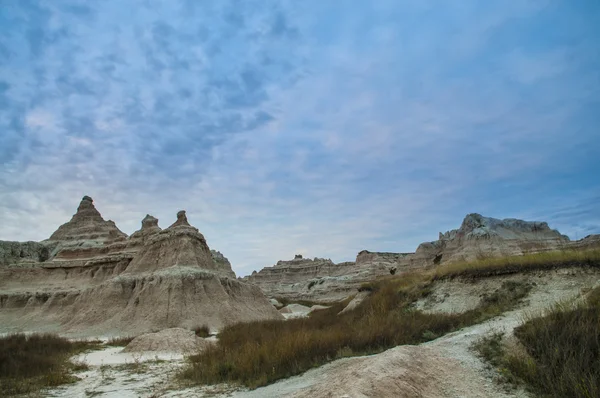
x: 307, y: 127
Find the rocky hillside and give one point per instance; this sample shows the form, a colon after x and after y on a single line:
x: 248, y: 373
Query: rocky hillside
x: 478, y: 237
x: 91, y: 278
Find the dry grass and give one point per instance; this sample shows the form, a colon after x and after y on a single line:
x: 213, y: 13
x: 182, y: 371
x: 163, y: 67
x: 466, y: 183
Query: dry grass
x: 121, y: 341
x: 31, y: 362
x: 202, y: 331
x: 560, y: 355
x: 258, y: 353
x: 516, y: 264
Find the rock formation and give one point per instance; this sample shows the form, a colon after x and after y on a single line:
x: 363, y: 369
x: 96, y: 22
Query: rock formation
x: 24, y: 254
x: 175, y: 340
x: 87, y: 224
x: 478, y: 237
x: 89, y: 278
x: 319, y: 279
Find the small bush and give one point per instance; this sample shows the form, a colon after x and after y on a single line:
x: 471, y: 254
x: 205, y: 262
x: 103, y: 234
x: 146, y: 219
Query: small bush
x: 121, y: 341
x: 565, y: 348
x: 202, y: 331
x: 491, y: 348
x: 561, y: 351
x: 31, y: 362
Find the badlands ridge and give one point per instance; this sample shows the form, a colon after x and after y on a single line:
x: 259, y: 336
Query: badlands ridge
x: 90, y: 278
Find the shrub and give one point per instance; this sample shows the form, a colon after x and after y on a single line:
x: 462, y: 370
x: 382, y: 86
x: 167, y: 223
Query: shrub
x: 202, y: 331
x: 561, y: 351
x: 31, y: 362
x: 565, y: 347
x: 121, y: 341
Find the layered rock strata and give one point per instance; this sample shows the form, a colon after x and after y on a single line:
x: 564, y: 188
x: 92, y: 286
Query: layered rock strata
x: 478, y: 237
x: 89, y: 278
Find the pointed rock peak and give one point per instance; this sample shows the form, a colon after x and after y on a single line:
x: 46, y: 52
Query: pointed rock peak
x: 181, y: 220
x: 87, y: 209
x: 87, y: 224
x: 149, y: 222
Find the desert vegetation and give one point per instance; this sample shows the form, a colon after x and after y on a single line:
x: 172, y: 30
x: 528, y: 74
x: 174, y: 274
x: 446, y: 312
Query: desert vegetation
x: 120, y: 341
x: 202, y: 331
x: 31, y: 362
x: 258, y: 353
x: 517, y: 264
x: 558, y: 354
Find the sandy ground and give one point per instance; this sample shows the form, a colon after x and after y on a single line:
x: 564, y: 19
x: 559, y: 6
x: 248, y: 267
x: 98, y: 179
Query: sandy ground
x: 113, y: 373
x: 445, y: 367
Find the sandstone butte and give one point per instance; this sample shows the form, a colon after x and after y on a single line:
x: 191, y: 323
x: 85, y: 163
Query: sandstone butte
x: 90, y: 278
x: 322, y: 280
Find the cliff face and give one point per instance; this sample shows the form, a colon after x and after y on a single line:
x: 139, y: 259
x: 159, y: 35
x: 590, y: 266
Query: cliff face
x: 318, y: 279
x: 24, y: 254
x: 89, y: 278
x: 478, y: 237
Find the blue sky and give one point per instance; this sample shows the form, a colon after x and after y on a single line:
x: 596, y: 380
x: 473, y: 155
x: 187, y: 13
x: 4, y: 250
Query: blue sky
x: 313, y: 127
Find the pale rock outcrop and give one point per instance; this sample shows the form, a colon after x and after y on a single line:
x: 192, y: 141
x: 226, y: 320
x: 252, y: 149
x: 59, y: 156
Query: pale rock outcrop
x: 478, y: 237
x: 174, y: 340
x: 356, y: 301
x: 481, y: 237
x: 301, y: 278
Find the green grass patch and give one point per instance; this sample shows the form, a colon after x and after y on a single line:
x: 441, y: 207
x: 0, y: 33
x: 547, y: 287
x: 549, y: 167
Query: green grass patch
x: 29, y: 363
x: 259, y: 353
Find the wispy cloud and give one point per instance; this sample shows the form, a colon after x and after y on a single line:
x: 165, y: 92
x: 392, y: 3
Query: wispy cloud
x: 314, y: 127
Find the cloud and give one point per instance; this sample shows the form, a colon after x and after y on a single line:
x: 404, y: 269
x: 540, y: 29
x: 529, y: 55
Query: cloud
x: 287, y: 127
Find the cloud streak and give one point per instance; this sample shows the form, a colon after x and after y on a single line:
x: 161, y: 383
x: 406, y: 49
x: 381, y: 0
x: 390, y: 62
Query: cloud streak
x: 315, y: 127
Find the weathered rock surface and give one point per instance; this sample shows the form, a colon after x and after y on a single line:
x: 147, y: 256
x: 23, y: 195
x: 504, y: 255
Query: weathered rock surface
x: 315, y: 279
x: 24, y: 254
x: 481, y: 237
x: 321, y: 280
x: 176, y: 340
x: 91, y: 279
x: 179, y: 245
x: 87, y: 224
x: 589, y: 242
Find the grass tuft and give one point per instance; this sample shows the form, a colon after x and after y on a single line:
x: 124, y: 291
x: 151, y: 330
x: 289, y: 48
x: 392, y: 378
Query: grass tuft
x: 560, y: 354
x: 516, y: 264
x: 29, y: 363
x: 202, y: 331
x: 120, y: 341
